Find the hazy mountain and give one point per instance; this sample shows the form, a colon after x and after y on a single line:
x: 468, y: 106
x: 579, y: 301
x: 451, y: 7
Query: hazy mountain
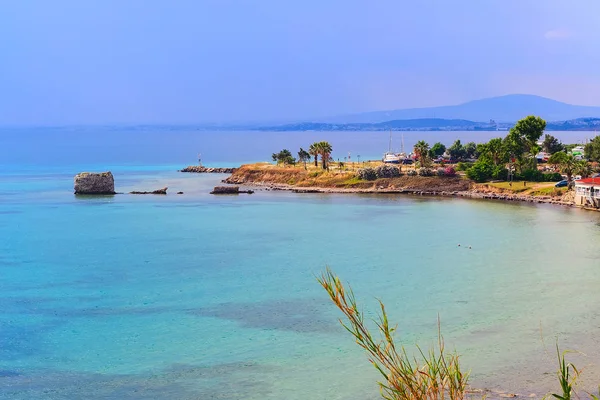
x: 508, y: 108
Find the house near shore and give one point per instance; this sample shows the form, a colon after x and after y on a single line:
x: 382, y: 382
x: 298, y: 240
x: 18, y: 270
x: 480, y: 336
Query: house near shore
x: 587, y: 192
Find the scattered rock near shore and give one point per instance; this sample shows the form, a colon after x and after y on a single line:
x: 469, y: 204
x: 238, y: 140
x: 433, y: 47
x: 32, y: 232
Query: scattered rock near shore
x: 201, y: 170
x: 157, y: 191
x: 101, y: 183
x: 229, y: 190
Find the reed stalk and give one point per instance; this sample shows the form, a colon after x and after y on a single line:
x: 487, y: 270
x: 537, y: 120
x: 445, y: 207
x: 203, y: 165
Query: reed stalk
x: 432, y: 374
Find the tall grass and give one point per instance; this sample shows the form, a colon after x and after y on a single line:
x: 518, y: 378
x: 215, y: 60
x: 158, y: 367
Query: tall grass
x: 566, y: 378
x: 432, y: 374
x: 568, y: 375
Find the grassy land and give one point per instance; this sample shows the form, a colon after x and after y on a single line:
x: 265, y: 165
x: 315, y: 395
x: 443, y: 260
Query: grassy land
x: 527, y: 188
x: 345, y: 177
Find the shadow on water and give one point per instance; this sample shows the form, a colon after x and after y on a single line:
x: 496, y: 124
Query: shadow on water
x: 299, y: 315
x: 183, y: 382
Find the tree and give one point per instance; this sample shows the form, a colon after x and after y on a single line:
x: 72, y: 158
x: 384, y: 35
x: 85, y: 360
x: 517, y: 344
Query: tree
x: 314, y: 151
x: 514, y: 147
x: 284, y: 156
x: 457, y: 151
x: 303, y: 156
x: 592, y: 149
x: 583, y: 168
x: 324, y: 149
x: 470, y: 149
x: 493, y: 150
x: 437, y: 150
x: 565, y: 162
x: 421, y: 151
x: 525, y: 134
x: 552, y: 145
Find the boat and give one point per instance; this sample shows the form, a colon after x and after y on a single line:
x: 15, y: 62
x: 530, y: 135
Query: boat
x: 397, y: 158
x: 404, y: 158
x: 390, y: 157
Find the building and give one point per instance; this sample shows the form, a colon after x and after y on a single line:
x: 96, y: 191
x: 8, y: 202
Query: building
x: 587, y: 192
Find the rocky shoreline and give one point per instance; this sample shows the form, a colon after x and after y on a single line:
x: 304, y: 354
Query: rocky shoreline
x: 272, y: 178
x: 472, y: 194
x: 198, y: 169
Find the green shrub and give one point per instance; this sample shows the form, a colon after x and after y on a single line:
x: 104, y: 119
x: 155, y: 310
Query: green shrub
x: 552, y: 177
x: 367, y: 174
x: 481, y: 171
x: 440, y: 172
x: 411, y: 172
x: 531, y: 175
x: 387, y: 171
x: 463, y: 166
x: 425, y: 172
x: 499, y: 173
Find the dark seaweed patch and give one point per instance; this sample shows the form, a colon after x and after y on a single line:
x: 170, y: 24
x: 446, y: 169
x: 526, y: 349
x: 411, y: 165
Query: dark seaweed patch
x: 301, y: 315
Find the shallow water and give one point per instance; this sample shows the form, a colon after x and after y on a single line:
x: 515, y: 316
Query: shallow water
x: 196, y: 296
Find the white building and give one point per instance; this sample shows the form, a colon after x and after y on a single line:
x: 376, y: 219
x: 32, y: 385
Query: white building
x: 587, y: 192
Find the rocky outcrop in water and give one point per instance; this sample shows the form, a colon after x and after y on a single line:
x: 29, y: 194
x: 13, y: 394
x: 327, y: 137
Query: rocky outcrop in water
x: 101, y: 183
x: 202, y: 170
x: 157, y: 191
x: 229, y: 190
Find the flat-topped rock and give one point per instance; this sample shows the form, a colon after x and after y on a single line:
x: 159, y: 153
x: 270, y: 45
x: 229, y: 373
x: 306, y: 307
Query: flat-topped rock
x: 100, y: 183
x: 202, y: 170
x: 157, y: 191
x: 229, y: 190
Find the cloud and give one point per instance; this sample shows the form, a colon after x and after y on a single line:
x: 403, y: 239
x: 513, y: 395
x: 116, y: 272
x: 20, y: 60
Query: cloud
x: 558, y: 34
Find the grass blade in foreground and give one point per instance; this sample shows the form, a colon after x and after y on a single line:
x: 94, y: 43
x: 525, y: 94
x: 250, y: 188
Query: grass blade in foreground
x: 433, y: 374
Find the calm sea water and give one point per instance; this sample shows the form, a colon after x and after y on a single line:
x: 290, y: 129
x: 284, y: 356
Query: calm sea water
x: 201, y: 297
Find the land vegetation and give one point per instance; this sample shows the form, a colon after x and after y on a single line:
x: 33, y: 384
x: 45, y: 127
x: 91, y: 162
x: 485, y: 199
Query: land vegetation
x: 509, y: 165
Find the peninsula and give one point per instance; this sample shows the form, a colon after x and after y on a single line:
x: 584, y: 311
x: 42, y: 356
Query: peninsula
x: 519, y: 167
x: 409, y: 180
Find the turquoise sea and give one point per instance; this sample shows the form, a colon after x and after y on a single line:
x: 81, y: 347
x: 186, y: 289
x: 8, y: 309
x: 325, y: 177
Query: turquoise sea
x: 200, y: 297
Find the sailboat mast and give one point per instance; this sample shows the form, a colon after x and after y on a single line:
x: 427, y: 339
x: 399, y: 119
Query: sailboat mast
x: 402, y: 144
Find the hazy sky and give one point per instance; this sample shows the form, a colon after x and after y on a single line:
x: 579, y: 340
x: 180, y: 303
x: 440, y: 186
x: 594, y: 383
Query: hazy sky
x: 178, y: 61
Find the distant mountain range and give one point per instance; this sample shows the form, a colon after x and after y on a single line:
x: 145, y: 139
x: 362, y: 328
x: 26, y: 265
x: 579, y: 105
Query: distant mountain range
x: 507, y: 109
x: 432, y: 124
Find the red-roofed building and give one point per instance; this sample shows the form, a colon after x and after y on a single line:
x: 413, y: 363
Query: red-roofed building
x: 587, y: 192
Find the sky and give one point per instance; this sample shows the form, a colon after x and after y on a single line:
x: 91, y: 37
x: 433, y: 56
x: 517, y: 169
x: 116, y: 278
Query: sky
x: 230, y: 61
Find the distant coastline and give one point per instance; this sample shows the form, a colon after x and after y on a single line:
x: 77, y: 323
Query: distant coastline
x: 408, y: 125
x: 433, y: 124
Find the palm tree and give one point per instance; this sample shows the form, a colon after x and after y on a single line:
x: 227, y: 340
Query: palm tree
x: 566, y: 163
x: 583, y: 168
x: 421, y: 151
x: 313, y: 150
x: 325, y: 150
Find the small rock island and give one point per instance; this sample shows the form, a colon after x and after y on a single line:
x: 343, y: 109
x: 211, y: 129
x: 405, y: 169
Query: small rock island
x: 229, y: 190
x: 101, y: 183
x: 199, y: 169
